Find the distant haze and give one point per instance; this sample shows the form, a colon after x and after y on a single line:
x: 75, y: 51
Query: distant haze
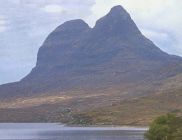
x: 24, y: 25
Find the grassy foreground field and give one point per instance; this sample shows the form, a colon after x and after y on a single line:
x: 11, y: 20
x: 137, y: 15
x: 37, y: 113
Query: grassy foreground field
x: 110, y: 106
x: 135, y: 112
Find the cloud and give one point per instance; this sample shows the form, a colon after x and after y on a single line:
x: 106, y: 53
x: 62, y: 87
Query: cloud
x: 2, y: 28
x: 2, y: 24
x: 160, y: 38
x: 54, y: 8
x: 2, y: 20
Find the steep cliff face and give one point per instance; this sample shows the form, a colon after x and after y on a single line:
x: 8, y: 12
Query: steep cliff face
x: 114, y: 52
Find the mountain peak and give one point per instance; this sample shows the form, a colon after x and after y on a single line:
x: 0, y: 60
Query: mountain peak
x: 117, y: 22
x: 118, y: 11
x: 117, y: 7
x: 73, y: 24
x: 69, y: 29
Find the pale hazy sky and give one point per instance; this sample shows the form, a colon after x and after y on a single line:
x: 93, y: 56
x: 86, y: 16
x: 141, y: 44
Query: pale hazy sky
x: 24, y: 24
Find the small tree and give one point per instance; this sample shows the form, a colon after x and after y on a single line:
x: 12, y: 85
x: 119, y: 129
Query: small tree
x: 167, y: 127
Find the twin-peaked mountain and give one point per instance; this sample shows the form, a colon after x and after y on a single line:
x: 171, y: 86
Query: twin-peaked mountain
x: 112, y: 53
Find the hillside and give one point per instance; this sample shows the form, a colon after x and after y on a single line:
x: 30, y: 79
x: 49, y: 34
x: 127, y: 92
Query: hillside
x: 106, y: 74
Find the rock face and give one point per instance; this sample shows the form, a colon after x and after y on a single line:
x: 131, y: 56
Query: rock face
x: 75, y: 56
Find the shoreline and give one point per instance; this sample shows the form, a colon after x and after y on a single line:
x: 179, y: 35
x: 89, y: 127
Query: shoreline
x: 71, y: 127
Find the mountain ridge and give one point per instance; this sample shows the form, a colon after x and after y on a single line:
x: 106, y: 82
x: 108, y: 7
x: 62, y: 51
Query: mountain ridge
x: 113, y: 52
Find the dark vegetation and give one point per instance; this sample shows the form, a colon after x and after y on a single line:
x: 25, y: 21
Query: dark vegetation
x: 166, y: 127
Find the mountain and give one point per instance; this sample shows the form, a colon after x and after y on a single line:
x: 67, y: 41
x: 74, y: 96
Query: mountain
x: 111, y: 61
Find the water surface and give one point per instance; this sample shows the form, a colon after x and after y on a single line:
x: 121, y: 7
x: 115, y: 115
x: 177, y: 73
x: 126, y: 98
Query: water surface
x: 51, y: 131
